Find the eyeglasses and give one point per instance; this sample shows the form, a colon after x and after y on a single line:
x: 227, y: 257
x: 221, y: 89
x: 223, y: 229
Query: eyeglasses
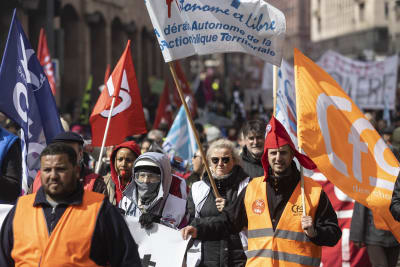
x: 148, y: 177
x: 225, y: 160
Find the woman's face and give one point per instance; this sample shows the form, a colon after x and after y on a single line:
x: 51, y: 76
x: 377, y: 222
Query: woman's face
x: 124, y: 162
x: 197, y: 162
x: 221, y: 161
x: 145, y: 147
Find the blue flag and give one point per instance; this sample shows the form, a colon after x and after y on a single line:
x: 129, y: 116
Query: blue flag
x: 180, y: 140
x: 26, y: 98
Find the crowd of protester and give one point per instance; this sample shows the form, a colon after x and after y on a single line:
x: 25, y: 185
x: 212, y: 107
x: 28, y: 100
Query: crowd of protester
x: 137, y: 178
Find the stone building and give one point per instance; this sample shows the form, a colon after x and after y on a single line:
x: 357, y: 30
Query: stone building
x: 86, y: 35
x: 355, y: 28
x: 298, y: 29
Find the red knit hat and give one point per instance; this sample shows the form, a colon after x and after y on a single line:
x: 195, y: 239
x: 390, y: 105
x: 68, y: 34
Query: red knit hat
x: 276, y: 137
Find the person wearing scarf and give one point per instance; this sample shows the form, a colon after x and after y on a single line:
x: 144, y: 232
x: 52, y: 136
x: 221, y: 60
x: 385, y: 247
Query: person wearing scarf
x: 149, y: 196
x: 270, y: 207
x: 121, y: 165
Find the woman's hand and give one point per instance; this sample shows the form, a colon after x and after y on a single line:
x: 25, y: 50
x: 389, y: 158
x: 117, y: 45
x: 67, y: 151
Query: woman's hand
x: 220, y: 203
x: 188, y: 231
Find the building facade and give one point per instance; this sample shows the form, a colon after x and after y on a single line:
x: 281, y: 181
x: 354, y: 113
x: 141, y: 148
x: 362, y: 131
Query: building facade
x: 355, y: 28
x: 85, y: 36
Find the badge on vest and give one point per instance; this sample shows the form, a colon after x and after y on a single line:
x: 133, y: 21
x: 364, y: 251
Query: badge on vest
x: 297, y: 210
x: 258, y: 206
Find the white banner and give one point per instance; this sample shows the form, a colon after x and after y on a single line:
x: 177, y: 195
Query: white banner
x: 188, y: 27
x: 160, y: 246
x: 367, y: 83
x: 371, y: 85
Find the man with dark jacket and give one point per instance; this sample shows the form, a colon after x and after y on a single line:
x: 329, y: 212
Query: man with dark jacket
x: 271, y: 208
x: 64, y: 225
x: 253, y: 136
x: 382, y: 246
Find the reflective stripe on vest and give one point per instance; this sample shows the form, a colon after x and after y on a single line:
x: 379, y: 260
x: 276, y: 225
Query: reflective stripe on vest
x: 283, y: 256
x: 70, y: 242
x: 288, y: 245
x: 285, y: 234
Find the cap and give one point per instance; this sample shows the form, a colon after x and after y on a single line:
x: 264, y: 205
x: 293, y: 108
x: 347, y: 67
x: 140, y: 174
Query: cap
x: 276, y: 137
x: 148, y: 165
x: 68, y: 137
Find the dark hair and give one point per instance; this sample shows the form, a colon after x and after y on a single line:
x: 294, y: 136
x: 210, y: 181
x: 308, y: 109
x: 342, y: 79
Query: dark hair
x: 257, y: 126
x: 60, y: 148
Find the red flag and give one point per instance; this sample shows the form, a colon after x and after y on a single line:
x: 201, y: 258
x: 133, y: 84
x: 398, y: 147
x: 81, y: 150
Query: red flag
x: 164, y: 112
x: 107, y: 74
x: 185, y: 89
x: 127, y: 115
x: 43, y: 55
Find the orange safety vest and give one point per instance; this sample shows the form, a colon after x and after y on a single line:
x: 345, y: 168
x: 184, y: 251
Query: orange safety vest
x: 288, y: 245
x: 69, y: 243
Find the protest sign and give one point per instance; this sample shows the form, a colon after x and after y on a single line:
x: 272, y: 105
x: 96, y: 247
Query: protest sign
x: 188, y: 27
x: 369, y: 84
x: 160, y: 246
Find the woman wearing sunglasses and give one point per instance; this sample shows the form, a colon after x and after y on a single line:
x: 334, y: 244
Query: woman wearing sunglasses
x: 224, y: 249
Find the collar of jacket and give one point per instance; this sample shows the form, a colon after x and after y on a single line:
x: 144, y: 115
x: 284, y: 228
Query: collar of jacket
x: 247, y: 156
x: 74, y: 199
x: 283, y: 182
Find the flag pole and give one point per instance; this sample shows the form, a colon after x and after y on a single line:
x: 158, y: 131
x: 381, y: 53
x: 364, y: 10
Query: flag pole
x: 274, y: 86
x: 178, y: 86
x: 98, y: 165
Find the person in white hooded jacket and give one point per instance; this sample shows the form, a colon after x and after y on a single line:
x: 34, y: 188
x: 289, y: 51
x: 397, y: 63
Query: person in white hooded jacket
x: 154, y: 195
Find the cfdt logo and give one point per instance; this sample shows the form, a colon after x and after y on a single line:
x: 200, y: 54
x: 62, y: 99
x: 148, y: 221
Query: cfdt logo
x: 297, y: 210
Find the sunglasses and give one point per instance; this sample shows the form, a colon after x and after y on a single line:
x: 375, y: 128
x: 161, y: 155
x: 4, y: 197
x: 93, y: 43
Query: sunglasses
x: 225, y: 160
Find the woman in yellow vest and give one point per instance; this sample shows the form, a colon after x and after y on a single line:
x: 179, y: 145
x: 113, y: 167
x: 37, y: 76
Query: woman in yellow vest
x: 271, y: 209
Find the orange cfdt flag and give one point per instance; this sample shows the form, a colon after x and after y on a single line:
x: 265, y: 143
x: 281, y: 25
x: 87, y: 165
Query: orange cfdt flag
x: 127, y: 117
x: 344, y: 145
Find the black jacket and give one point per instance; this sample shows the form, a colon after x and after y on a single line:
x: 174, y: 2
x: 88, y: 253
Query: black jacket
x: 253, y: 167
x: 225, y: 249
x: 363, y: 229
x: 234, y: 217
x: 112, y: 242
x: 395, y: 204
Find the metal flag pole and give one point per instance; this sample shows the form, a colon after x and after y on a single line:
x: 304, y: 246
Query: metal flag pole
x: 98, y: 165
x: 178, y: 86
x: 274, y: 86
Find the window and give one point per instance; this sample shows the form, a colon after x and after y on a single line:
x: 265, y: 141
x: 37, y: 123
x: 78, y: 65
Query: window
x: 361, y: 7
x: 386, y: 10
x: 397, y: 9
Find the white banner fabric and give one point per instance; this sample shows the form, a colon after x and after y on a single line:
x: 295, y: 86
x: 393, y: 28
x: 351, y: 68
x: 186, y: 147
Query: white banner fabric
x: 160, y: 246
x: 367, y: 83
x: 189, y: 27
